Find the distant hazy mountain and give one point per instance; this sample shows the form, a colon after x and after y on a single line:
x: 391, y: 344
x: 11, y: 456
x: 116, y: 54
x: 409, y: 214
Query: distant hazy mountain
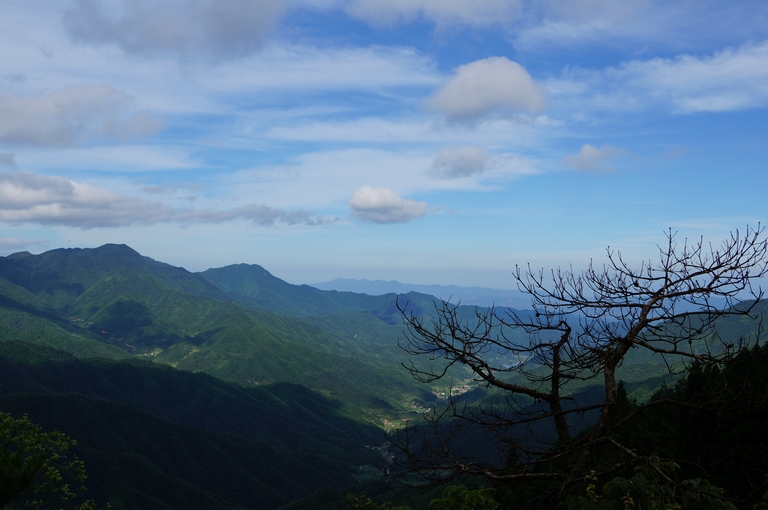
x: 480, y: 296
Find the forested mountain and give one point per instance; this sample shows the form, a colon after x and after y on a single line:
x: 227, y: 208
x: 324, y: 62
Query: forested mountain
x: 112, y: 302
x: 254, y: 287
x: 156, y: 437
x: 479, y: 296
x: 168, y: 378
x: 81, y: 335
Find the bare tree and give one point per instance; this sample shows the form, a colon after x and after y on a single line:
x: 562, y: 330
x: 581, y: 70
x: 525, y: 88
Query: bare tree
x: 583, y: 325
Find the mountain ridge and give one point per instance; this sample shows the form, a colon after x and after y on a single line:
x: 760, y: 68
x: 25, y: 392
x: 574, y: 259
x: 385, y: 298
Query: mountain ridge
x: 111, y: 301
x: 473, y: 296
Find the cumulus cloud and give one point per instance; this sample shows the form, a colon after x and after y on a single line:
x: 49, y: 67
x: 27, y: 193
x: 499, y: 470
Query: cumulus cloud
x: 442, y: 12
x: 485, y: 86
x: 71, y: 115
x: 212, y: 30
x: 47, y: 200
x: 382, y: 205
x: 593, y: 159
x: 454, y: 163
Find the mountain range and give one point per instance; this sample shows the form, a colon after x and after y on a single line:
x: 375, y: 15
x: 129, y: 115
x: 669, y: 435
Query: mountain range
x: 167, y: 378
x: 474, y: 296
x: 239, y: 323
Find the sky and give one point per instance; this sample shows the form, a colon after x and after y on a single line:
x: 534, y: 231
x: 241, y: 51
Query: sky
x: 427, y: 141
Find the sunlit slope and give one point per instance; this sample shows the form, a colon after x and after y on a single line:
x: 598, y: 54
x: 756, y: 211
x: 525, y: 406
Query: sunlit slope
x: 254, y: 287
x: 58, y: 277
x: 24, y: 317
x: 112, y: 297
x: 370, y: 325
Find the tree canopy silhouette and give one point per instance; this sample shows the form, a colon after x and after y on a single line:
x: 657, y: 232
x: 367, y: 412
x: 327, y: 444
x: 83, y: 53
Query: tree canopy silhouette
x: 34, y: 466
x: 582, y: 327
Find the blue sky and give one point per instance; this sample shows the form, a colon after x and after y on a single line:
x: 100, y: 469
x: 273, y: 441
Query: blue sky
x: 420, y: 140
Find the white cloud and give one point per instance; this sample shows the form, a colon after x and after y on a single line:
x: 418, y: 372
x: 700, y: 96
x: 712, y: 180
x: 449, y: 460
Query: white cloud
x: 558, y: 22
x: 71, y: 115
x: 111, y: 158
x: 30, y: 198
x: 464, y: 161
x: 367, y: 129
x: 593, y: 159
x: 731, y: 79
x: 509, y: 166
x: 171, y: 189
x: 382, y: 205
x: 539, y: 25
x: 485, y: 86
x: 211, y: 30
x: 296, y: 67
x: 258, y: 214
x: 442, y: 12
x: 495, y: 133
x: 682, y: 25
x: 325, y: 180
x: 46, y: 200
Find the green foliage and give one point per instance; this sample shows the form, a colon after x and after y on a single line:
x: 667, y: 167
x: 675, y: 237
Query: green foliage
x: 458, y: 497
x: 365, y: 503
x: 454, y: 497
x: 716, y: 433
x: 651, y: 489
x: 35, y: 468
x: 92, y: 302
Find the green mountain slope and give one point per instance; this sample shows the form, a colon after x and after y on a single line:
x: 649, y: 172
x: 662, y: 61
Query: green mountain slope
x: 91, y: 302
x: 254, y: 287
x: 58, y: 276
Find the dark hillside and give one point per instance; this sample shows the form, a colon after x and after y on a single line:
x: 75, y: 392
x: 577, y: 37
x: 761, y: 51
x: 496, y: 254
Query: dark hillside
x: 286, y: 414
x: 151, y: 431
x: 136, y: 460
